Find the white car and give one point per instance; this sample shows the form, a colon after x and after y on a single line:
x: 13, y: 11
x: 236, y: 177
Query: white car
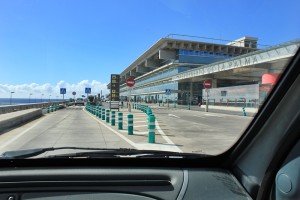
x: 79, y: 101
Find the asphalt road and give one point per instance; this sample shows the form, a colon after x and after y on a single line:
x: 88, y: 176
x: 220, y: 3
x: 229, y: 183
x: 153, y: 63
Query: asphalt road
x: 201, y: 132
x: 177, y: 129
x: 66, y: 127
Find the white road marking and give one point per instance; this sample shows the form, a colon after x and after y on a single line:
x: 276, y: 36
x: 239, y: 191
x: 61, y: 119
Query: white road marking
x: 171, y: 115
x: 213, y: 115
x: 166, y: 137
x: 20, y: 134
x: 141, y: 125
x: 116, y: 132
x: 199, y: 116
x: 166, y: 147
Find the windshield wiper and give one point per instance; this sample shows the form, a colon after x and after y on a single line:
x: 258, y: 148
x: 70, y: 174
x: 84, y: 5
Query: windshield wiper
x: 97, y: 153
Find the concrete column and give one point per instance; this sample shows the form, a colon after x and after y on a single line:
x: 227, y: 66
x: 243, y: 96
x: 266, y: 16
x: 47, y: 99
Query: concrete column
x: 191, y: 93
x: 214, y: 83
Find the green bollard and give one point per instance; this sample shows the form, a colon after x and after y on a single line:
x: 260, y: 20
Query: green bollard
x: 100, y: 112
x: 151, y: 129
x: 174, y: 104
x: 130, y: 124
x: 244, y: 112
x: 120, y: 121
x: 189, y: 106
x: 149, y: 111
x: 103, y: 114
x: 107, y: 116
x: 95, y: 110
x: 113, y: 118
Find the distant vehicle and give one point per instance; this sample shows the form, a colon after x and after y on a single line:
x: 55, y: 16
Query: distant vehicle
x: 79, y: 101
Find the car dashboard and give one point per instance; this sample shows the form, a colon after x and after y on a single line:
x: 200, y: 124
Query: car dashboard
x: 119, y: 183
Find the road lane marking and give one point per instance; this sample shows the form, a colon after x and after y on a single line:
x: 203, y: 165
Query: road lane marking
x: 166, y: 138
x: 20, y: 134
x: 213, y: 115
x: 167, y: 147
x: 114, y: 131
x: 199, y: 116
x: 141, y: 126
x: 171, y: 115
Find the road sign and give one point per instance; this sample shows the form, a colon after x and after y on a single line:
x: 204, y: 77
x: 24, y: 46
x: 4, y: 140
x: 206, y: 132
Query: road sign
x: 63, y: 90
x: 88, y: 90
x: 74, y: 93
x: 168, y: 91
x: 130, y: 82
x: 207, y: 84
x: 115, y: 87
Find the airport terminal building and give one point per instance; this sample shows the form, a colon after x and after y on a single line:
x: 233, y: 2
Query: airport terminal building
x: 173, y: 70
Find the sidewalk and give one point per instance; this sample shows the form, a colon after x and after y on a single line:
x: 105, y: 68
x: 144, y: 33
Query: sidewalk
x: 214, y: 109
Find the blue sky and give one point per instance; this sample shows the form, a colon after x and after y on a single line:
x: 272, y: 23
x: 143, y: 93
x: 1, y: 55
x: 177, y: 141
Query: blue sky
x: 48, y: 44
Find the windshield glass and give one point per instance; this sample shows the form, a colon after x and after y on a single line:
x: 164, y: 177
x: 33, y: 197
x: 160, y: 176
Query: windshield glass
x: 167, y: 75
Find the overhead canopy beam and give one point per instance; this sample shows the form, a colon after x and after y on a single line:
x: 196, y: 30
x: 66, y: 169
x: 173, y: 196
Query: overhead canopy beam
x: 142, y: 69
x: 151, y: 63
x: 167, y: 54
x: 133, y: 73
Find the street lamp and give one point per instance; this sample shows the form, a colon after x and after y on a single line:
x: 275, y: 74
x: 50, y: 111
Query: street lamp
x: 29, y: 96
x: 42, y: 97
x: 11, y: 97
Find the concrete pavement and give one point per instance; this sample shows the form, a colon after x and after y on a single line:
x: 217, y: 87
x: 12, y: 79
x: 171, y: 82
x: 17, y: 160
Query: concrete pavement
x: 176, y: 130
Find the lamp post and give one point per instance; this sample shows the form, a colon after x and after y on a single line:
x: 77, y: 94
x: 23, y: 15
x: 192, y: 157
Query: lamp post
x: 42, y: 97
x: 30, y: 96
x: 11, y: 97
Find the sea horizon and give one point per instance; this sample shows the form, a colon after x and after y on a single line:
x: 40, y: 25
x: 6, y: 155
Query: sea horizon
x: 16, y: 101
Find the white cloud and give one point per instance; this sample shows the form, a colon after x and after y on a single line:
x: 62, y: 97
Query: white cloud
x: 24, y: 90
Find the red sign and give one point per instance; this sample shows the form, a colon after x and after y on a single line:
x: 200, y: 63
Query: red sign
x: 130, y: 82
x: 207, y: 84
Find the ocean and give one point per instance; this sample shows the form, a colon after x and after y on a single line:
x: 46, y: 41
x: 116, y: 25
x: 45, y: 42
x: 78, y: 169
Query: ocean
x: 15, y: 101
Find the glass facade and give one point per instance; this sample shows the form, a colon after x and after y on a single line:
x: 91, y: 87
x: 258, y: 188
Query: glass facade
x: 238, y: 96
x: 201, y: 57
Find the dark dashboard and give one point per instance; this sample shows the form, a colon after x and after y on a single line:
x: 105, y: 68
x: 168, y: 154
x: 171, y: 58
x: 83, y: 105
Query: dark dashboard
x: 119, y: 183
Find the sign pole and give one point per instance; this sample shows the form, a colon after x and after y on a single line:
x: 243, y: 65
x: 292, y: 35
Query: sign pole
x: 206, y: 106
x: 168, y: 102
x: 130, y: 83
x: 129, y: 99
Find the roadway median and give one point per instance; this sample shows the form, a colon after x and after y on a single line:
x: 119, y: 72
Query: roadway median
x: 10, y: 120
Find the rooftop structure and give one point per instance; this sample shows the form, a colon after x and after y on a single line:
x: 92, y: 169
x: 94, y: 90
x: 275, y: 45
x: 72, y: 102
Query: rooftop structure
x: 168, y: 50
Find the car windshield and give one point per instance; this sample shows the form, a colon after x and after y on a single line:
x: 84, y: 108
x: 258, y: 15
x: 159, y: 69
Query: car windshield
x: 170, y: 76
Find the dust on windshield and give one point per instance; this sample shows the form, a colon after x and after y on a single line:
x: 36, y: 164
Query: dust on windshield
x: 174, y: 76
